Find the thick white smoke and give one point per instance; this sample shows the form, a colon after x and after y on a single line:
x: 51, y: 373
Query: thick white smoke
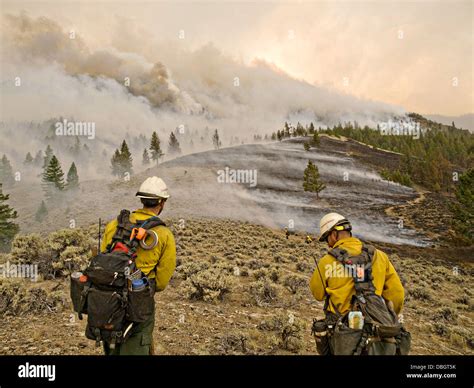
x: 49, y: 73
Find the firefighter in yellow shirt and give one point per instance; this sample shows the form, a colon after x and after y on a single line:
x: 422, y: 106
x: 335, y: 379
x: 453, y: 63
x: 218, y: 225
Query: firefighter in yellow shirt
x: 338, y: 291
x: 158, y: 263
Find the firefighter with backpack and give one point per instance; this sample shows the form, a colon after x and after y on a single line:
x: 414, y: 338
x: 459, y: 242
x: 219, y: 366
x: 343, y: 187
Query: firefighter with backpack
x: 116, y: 290
x: 363, y: 296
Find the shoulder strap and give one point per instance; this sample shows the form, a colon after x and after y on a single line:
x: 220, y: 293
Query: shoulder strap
x: 361, y: 269
x: 339, y: 254
x: 124, y: 228
x: 363, y: 284
x: 151, y: 223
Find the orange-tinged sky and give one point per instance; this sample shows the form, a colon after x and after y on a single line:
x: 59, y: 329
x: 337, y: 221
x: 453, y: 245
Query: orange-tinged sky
x: 415, y: 54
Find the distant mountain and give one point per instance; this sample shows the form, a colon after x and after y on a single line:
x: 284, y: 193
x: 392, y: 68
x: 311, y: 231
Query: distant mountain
x: 464, y: 121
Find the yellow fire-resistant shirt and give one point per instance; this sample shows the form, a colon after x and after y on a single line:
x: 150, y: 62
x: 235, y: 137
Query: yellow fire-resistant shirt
x: 164, y: 254
x: 341, y: 288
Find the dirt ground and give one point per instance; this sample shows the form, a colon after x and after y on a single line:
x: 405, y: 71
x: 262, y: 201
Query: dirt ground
x: 249, y: 319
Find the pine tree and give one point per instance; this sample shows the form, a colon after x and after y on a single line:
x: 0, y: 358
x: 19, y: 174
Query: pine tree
x: 286, y: 130
x: 311, y: 128
x: 122, y: 161
x: 306, y: 146
x: 300, y: 131
x: 316, y: 141
x: 41, y: 213
x: 38, y: 158
x: 8, y: 229
x: 145, y: 158
x: 126, y: 160
x: 115, y: 162
x: 311, y: 180
x: 173, y: 145
x: 215, y: 140
x: 53, y: 178
x: 28, y: 160
x: 72, y: 180
x: 47, y: 157
x: 464, y: 207
x: 280, y: 135
x: 6, y: 171
x: 155, y: 148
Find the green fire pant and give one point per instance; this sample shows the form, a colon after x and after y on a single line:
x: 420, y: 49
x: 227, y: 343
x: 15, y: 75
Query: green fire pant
x: 139, y: 343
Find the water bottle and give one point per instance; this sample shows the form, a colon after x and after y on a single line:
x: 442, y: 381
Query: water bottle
x: 77, y: 285
x: 139, y: 284
x: 356, y: 320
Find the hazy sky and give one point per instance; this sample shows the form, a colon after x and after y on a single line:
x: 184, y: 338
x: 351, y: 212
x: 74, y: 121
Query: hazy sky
x: 418, y: 55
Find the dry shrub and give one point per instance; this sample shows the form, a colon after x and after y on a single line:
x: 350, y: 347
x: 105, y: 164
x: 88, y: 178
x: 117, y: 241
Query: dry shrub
x: 303, y: 266
x: 446, y: 314
x: 441, y: 329
x: 232, y: 344
x: 464, y: 299
x: 287, y: 329
x: 63, y: 252
x: 274, y: 274
x: 260, y: 274
x: 209, y: 285
x: 191, y: 268
x: 420, y: 293
x: 294, y: 282
x: 461, y: 337
x: 21, y: 297
x: 29, y: 249
x: 263, y: 292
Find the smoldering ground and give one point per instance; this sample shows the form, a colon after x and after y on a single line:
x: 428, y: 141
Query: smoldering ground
x: 277, y: 200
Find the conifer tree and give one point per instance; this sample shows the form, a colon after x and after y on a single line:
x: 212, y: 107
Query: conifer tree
x: 28, y: 160
x: 173, y: 145
x: 6, y: 171
x: 315, y: 141
x: 126, y: 159
x: 72, y: 180
x: 215, y: 140
x: 155, y: 148
x: 38, y: 158
x: 464, y: 207
x: 145, y: 158
x: 53, y: 178
x: 8, y: 229
x: 41, y: 213
x: 48, y: 154
x: 312, y: 181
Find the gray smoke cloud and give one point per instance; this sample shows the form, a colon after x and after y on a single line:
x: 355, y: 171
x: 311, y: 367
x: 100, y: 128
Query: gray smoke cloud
x: 124, y: 91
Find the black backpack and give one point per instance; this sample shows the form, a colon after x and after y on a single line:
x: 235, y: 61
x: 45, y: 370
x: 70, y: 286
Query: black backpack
x: 382, y: 333
x: 105, y: 293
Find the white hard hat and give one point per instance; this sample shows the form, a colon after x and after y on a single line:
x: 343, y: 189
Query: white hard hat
x: 329, y: 222
x: 153, y: 187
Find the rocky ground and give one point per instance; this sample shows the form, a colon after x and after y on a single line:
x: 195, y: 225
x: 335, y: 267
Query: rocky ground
x: 256, y: 298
